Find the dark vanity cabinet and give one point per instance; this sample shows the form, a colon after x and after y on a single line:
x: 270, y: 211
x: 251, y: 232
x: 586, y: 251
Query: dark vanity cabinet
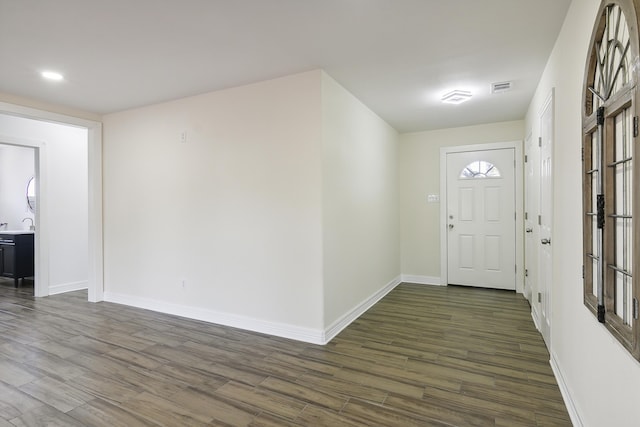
x: 16, y: 255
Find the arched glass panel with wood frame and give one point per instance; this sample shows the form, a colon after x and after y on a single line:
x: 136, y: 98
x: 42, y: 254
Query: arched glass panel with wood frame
x: 610, y: 131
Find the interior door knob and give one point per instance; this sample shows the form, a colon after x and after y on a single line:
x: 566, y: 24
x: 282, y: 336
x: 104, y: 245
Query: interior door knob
x: 450, y: 226
x: 529, y: 230
x: 545, y: 241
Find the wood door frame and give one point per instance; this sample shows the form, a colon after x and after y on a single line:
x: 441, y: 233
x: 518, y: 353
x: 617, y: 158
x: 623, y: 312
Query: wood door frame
x: 94, y: 159
x: 519, y: 200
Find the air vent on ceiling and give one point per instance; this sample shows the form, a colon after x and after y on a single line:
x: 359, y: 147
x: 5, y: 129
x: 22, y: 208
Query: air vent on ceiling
x: 500, y: 87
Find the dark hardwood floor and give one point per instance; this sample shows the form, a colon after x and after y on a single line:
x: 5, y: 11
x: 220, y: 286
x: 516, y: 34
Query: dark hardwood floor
x: 423, y: 356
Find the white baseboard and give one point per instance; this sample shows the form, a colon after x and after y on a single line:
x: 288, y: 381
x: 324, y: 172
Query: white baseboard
x: 421, y: 280
x: 566, y: 395
x: 336, y: 327
x: 68, y: 287
x: 313, y: 336
x: 536, y: 318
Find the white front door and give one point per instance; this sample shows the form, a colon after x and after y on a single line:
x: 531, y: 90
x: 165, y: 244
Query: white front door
x: 545, y: 220
x: 481, y: 243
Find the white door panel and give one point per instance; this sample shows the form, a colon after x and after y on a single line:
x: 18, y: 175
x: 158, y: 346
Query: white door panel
x: 481, y: 218
x: 532, y: 198
x: 546, y: 209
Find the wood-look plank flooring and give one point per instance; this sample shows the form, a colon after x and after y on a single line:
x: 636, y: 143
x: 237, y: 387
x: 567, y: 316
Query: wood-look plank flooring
x: 423, y: 356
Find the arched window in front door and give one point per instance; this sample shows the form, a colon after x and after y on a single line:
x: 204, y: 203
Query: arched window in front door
x: 480, y: 169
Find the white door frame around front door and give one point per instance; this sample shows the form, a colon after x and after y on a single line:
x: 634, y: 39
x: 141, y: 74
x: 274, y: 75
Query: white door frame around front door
x: 517, y: 146
x: 95, y: 255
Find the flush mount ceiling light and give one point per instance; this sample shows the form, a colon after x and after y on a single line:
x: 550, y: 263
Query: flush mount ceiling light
x: 52, y: 75
x: 456, y: 97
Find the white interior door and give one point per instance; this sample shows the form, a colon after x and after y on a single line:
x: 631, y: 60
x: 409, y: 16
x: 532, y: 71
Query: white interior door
x: 481, y: 243
x: 545, y: 220
x: 531, y: 218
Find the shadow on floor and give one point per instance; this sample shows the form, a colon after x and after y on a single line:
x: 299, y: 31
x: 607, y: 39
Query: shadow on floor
x: 25, y: 288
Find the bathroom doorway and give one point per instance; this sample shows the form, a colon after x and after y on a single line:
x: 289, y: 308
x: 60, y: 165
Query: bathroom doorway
x: 62, y: 216
x: 18, y: 172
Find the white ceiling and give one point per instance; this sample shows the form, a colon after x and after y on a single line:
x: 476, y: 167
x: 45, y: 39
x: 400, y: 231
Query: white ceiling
x: 397, y: 56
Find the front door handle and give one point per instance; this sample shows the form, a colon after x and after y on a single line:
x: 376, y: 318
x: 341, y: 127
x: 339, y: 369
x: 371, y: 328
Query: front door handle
x: 545, y: 241
x: 529, y: 230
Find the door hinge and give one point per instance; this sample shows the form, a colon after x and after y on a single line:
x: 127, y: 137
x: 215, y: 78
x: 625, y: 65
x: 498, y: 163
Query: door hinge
x: 539, y: 297
x: 635, y: 126
x: 516, y: 269
x: 600, y: 116
x: 539, y: 141
x: 526, y: 158
x: 635, y: 308
x: 526, y: 215
x: 582, y: 155
x: 583, y: 271
x: 539, y: 219
x: 600, y: 203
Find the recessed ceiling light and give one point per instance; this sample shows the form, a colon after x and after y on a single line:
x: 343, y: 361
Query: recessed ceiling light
x: 52, y: 75
x: 456, y: 97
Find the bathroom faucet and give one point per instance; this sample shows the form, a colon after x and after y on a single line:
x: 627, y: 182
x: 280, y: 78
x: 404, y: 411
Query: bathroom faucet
x: 31, y: 227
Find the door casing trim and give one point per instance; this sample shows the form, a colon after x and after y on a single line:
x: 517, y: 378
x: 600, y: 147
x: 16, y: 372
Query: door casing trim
x: 95, y: 249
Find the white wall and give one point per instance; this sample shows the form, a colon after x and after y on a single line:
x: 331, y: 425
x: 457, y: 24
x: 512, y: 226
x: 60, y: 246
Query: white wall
x: 17, y: 167
x: 66, y: 198
x: 234, y: 212
x: 580, y: 346
x: 361, y: 241
x: 419, y: 165
x: 278, y: 214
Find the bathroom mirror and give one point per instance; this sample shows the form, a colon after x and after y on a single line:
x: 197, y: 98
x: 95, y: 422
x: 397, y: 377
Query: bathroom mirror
x: 31, y: 194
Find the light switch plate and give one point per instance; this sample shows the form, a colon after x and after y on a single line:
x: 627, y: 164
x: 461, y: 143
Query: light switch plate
x: 433, y: 198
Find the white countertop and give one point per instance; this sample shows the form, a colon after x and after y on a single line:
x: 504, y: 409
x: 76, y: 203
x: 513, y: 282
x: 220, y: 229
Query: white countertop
x: 14, y: 232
